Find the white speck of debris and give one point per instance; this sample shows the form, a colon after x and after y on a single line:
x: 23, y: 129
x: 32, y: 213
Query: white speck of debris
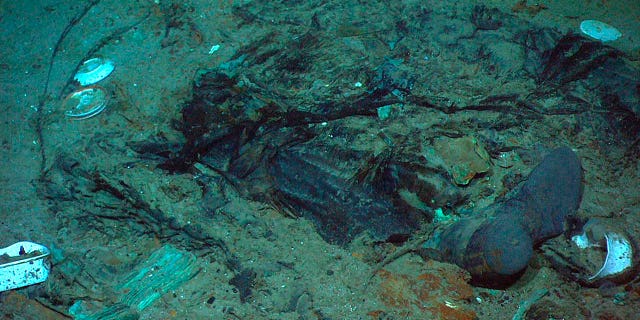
x: 357, y: 84
x: 214, y: 48
x: 581, y: 240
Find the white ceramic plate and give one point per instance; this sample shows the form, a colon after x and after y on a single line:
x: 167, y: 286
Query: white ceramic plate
x: 599, y: 30
x: 85, y: 103
x: 94, y: 70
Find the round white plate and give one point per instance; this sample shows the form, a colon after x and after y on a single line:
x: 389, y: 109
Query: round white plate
x: 85, y: 103
x: 599, y: 30
x: 94, y: 70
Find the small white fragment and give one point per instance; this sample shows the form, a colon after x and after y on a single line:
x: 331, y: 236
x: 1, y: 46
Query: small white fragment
x: 214, y: 48
x: 357, y: 84
x: 581, y: 240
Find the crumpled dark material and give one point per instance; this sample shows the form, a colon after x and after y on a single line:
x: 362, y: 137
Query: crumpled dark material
x: 265, y: 145
x: 269, y: 144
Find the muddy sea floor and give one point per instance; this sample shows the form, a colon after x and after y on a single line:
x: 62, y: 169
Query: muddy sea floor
x: 210, y: 241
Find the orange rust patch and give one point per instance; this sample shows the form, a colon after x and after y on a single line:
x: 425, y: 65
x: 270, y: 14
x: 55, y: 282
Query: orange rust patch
x: 440, y: 292
x: 384, y: 274
x: 442, y: 311
x: 458, y: 284
x: 430, y: 280
x: 375, y: 314
x: 428, y: 286
x: 395, y: 290
x: 18, y: 306
x: 469, y: 176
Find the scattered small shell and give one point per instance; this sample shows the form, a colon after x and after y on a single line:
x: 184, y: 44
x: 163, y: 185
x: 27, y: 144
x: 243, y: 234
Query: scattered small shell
x: 93, y: 71
x: 214, y: 48
x: 599, y: 30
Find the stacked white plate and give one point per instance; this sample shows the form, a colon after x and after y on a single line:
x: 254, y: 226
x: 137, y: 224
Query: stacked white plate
x: 89, y: 101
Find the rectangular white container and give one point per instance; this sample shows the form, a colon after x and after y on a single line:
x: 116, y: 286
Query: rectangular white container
x: 22, y: 272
